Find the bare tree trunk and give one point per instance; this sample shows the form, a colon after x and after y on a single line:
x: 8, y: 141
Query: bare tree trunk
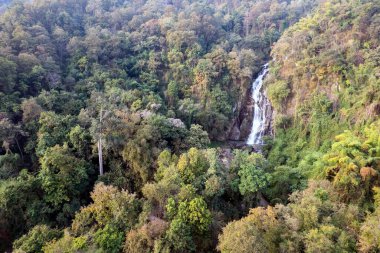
x: 19, y: 148
x: 100, y: 152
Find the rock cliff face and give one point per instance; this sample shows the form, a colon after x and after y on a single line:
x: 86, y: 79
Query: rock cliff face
x: 242, y: 124
x: 255, y: 114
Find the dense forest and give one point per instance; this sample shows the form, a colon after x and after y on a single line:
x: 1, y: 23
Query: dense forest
x: 116, y: 115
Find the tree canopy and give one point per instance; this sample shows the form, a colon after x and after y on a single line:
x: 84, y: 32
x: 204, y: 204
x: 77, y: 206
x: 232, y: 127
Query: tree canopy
x: 115, y: 119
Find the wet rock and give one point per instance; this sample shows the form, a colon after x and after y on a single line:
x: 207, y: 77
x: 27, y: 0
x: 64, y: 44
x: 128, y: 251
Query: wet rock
x: 235, y: 133
x: 254, y: 114
x: 245, y: 127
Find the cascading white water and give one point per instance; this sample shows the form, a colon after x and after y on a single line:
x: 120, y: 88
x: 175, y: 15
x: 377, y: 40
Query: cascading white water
x: 259, y: 109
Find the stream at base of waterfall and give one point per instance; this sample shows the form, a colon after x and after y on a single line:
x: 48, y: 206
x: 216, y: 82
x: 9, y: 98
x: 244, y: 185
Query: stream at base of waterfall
x: 260, y: 109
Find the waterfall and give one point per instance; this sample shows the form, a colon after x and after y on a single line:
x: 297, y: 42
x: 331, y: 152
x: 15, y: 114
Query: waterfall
x: 260, y: 109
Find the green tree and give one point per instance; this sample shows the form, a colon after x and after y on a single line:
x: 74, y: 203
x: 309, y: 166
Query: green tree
x: 195, y: 213
x: 20, y: 207
x: 109, y: 239
x: 172, y: 93
x: 7, y: 75
x: 192, y: 165
x: 197, y: 138
x: 80, y: 139
x: 351, y: 163
x: 113, y: 208
x: 35, y: 239
x: 9, y: 165
x: 68, y: 243
x: 250, y: 168
x: 369, y: 239
x: 328, y: 238
x: 179, y: 237
x: 102, y: 224
x: 277, y: 93
x: 258, y: 232
x: 53, y: 130
x: 190, y: 218
x: 63, y: 176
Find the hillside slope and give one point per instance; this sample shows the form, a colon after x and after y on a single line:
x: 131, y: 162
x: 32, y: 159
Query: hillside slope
x: 110, y: 106
x: 325, y: 76
x: 325, y: 88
